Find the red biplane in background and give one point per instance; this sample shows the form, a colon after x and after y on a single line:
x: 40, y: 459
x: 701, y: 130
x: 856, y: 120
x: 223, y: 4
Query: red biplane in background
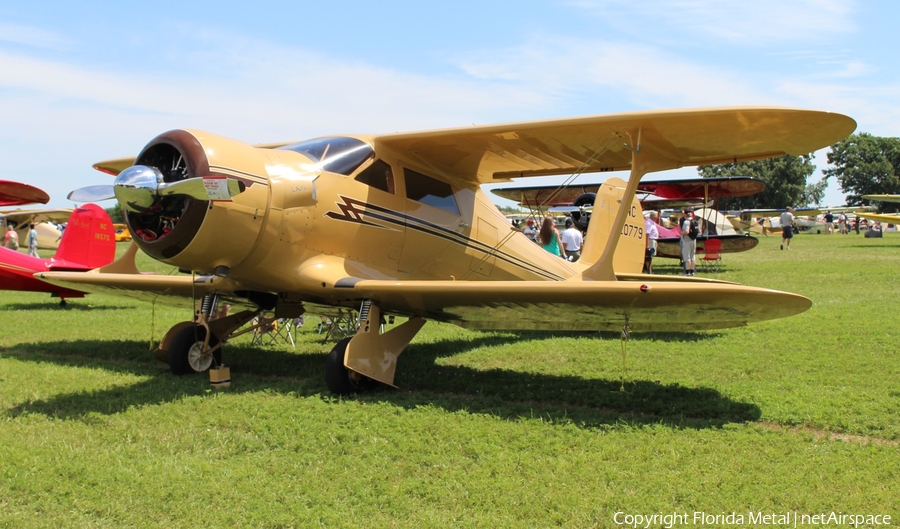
x: 88, y: 242
x: 577, y: 201
x: 19, y: 194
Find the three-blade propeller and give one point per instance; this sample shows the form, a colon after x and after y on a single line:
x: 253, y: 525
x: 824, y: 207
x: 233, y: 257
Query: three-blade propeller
x: 138, y: 187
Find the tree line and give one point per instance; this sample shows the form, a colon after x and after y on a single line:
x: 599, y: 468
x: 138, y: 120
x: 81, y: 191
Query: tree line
x: 861, y: 164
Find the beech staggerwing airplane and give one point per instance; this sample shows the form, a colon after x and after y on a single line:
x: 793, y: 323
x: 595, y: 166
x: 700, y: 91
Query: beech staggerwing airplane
x: 397, y: 225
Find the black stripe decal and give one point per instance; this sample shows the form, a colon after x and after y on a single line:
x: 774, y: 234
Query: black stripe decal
x: 350, y: 213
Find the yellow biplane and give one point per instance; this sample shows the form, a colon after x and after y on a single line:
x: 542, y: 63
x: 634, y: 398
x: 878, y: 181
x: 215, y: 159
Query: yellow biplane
x: 397, y: 225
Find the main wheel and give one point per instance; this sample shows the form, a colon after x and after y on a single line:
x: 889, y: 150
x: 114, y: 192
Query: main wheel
x: 186, y: 353
x: 339, y: 379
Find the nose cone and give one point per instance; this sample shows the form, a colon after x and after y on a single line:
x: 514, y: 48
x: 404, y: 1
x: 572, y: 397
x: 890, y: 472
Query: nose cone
x: 136, y: 187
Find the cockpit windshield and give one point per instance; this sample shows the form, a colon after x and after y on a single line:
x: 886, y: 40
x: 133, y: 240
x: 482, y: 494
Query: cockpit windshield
x: 337, y: 154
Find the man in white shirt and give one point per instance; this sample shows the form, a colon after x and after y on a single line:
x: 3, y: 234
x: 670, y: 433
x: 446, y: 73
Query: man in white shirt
x: 688, y: 225
x: 787, y: 227
x: 651, y: 232
x: 572, y: 240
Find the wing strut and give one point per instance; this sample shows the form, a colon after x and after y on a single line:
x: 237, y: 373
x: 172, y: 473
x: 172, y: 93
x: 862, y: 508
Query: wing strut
x: 643, y: 160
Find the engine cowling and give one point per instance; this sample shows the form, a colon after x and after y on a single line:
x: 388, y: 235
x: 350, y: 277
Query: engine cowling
x: 202, y: 235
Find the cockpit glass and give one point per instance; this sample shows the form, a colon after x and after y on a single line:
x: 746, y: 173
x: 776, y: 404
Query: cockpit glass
x: 337, y: 154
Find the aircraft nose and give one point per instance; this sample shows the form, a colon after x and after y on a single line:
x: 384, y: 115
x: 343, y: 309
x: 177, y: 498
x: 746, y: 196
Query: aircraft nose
x: 136, y: 187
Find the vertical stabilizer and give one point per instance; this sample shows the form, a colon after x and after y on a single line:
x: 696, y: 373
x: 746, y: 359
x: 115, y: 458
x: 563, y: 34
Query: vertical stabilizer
x: 89, y: 239
x: 628, y: 257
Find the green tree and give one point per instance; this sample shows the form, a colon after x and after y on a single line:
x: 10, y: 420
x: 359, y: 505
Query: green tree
x: 786, y: 181
x: 866, y: 165
x: 115, y: 213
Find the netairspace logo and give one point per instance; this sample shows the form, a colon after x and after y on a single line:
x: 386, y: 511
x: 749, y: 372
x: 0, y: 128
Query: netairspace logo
x: 789, y: 518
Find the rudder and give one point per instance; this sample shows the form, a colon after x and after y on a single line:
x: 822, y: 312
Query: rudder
x: 89, y: 238
x: 628, y: 257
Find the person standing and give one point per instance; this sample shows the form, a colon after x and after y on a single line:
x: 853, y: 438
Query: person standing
x: 572, y: 241
x: 11, y: 239
x: 32, y: 241
x: 787, y: 227
x: 689, y: 232
x: 549, y: 238
x: 529, y: 230
x: 829, y: 223
x: 651, y: 231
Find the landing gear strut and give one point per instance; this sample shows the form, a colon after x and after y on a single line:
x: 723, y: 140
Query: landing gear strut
x: 370, y: 356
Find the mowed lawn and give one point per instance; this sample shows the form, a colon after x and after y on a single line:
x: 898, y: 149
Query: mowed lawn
x: 488, y: 429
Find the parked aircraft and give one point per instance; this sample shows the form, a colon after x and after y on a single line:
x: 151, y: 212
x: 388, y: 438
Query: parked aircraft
x: 19, y: 194
x: 88, y: 242
x: 578, y: 200
x: 887, y: 218
x: 397, y: 225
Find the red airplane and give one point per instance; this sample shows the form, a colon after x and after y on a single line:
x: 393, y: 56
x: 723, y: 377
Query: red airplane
x: 18, y: 194
x: 88, y: 242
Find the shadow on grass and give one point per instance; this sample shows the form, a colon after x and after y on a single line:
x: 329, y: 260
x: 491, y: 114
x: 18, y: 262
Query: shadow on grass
x: 509, y: 395
x: 894, y: 244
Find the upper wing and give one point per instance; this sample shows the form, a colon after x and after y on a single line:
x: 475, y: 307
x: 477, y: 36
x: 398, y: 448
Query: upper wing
x: 485, y: 154
x: 881, y: 217
x: 17, y: 194
x: 545, y: 195
x: 748, y: 214
x: 590, y: 305
x: 883, y: 198
x: 736, y: 186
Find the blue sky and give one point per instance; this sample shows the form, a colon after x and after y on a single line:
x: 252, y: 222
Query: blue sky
x: 84, y: 82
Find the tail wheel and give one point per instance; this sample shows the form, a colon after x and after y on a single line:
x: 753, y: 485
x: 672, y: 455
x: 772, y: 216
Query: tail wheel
x: 339, y: 379
x: 186, y: 353
x: 580, y: 219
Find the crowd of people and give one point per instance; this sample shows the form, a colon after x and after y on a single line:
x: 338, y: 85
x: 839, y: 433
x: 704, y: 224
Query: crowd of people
x: 569, y: 243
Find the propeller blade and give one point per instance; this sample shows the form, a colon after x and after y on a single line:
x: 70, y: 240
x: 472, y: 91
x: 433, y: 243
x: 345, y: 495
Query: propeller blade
x: 209, y: 188
x: 92, y: 194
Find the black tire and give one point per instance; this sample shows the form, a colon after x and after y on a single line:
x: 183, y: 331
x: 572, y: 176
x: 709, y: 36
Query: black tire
x: 339, y: 379
x: 580, y: 219
x: 184, y: 357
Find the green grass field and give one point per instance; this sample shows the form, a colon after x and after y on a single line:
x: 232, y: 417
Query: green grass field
x: 488, y: 429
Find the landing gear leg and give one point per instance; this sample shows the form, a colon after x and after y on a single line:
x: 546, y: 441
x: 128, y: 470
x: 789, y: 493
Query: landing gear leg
x: 370, y: 355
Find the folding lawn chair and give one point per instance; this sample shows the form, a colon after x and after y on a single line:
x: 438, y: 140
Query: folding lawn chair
x: 272, y: 331
x: 712, y: 257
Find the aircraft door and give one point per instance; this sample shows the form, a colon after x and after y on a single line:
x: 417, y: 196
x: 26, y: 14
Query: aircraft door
x: 437, y: 235
x: 360, y: 218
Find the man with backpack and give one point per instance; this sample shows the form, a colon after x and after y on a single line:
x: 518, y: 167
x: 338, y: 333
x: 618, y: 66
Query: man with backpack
x: 11, y: 239
x: 689, y: 232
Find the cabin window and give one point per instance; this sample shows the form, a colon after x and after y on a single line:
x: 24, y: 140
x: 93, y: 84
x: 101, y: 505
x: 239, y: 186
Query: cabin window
x: 377, y: 175
x: 429, y: 191
x: 340, y: 154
